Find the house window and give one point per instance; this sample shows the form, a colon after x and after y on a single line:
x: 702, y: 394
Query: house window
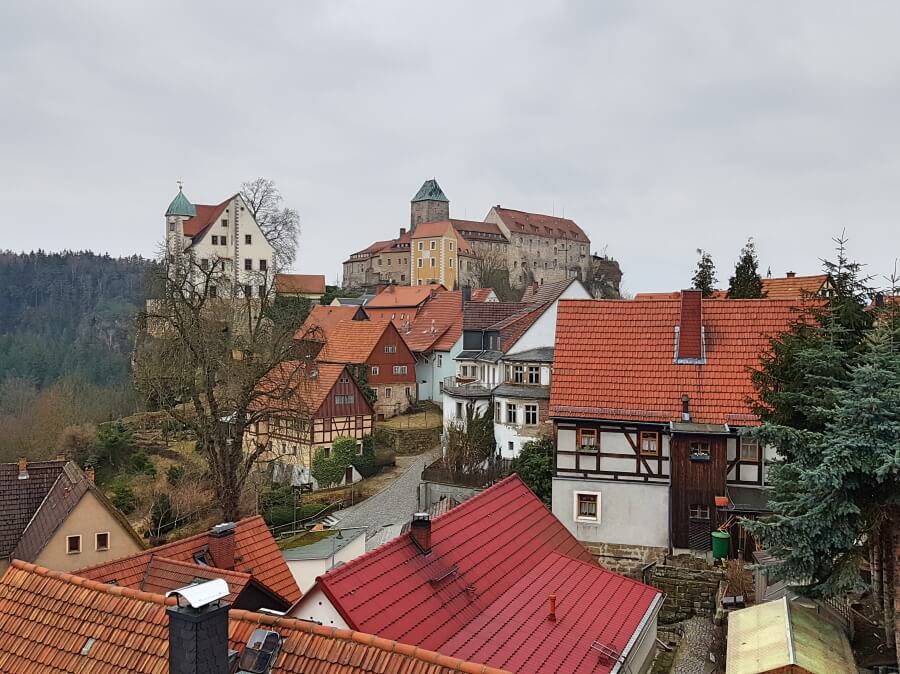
x: 587, y: 506
x: 699, y: 450
x: 248, y: 264
x: 212, y: 291
x: 204, y: 264
x: 433, y: 261
x: 531, y: 415
x: 73, y: 545
x: 459, y: 410
x: 440, y: 360
x: 402, y: 277
x: 343, y: 400
x: 699, y: 511
x: 534, y: 375
x: 375, y: 370
x: 497, y: 409
x: 388, y: 392
x: 419, y: 265
x: 433, y: 244
x: 263, y: 265
x: 421, y: 245
x: 399, y: 369
x: 215, y: 240
x: 326, y: 452
x: 649, y: 443
x: 407, y: 391
x: 518, y: 374
x: 379, y: 262
x: 262, y: 291
x: 248, y: 239
x: 101, y: 541
x: 749, y: 448
x: 586, y: 438
x: 224, y: 222
x: 510, y: 413
x: 450, y: 262
x: 344, y: 380
x: 390, y: 348
x: 223, y: 240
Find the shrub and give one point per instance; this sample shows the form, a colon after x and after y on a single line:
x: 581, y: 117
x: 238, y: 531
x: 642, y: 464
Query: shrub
x: 78, y: 443
x: 124, y: 499
x: 141, y: 463
x: 113, y: 439
x: 535, y: 466
x: 365, y: 462
x: 330, y: 470
x: 175, y: 474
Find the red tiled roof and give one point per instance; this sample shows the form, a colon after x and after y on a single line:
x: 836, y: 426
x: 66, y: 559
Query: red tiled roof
x: 794, y: 287
x: 481, y: 294
x: 288, y: 387
x: 543, y: 293
x: 431, y: 229
x: 438, y: 325
x: 403, y: 296
x: 536, y: 224
x: 206, y: 215
x: 498, y: 554
x: 163, y: 575
x: 478, y: 227
x: 353, y: 341
x: 614, y: 359
x: 482, y: 315
x: 325, y: 318
x: 255, y: 553
x: 309, y: 284
x: 57, y: 623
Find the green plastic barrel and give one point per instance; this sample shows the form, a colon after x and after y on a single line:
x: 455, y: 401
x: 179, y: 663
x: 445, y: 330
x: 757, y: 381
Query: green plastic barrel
x: 720, y: 541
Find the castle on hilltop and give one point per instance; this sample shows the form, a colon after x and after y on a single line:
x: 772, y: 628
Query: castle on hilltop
x: 508, y: 250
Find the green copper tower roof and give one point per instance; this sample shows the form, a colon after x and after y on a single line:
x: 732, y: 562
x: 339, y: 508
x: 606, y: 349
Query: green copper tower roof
x: 430, y: 191
x: 181, y: 206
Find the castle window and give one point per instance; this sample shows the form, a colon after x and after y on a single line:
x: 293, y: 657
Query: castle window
x: 263, y: 265
x: 212, y: 291
x: 248, y: 264
x: 379, y: 262
x: 248, y: 291
x: 433, y: 261
x: 451, y: 245
x: 421, y: 245
x: 223, y: 240
x: 433, y: 244
x: 224, y: 222
x: 402, y: 277
x: 389, y: 262
x: 248, y: 239
x: 419, y: 265
x: 450, y: 262
x: 262, y: 291
x: 215, y: 240
x: 171, y: 226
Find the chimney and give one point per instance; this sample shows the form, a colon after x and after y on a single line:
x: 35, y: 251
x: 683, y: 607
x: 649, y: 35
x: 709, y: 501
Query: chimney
x: 467, y: 294
x: 552, y: 615
x: 690, y: 331
x: 685, y: 407
x: 402, y: 231
x: 23, y: 468
x: 89, y: 473
x: 791, y: 274
x: 221, y: 545
x: 198, y: 629
x: 420, y: 532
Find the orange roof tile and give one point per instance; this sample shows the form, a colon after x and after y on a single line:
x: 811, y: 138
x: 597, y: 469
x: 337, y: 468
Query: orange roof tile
x: 309, y: 284
x: 482, y: 294
x: 403, y: 296
x: 58, y: 623
x: 353, y: 341
x: 288, y: 386
x: 793, y: 287
x: 325, y: 318
x: 537, y: 224
x: 431, y: 229
x: 438, y: 326
x: 255, y: 553
x: 163, y: 575
x: 614, y: 359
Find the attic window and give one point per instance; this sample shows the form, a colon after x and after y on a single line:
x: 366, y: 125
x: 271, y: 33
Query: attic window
x: 224, y: 222
x: 73, y: 545
x: 86, y: 649
x: 101, y: 541
x: 202, y: 557
x: 260, y: 652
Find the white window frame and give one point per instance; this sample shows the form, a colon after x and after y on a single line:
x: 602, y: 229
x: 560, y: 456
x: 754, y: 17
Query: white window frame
x: 388, y: 392
x: 69, y: 551
x: 375, y: 370
x: 97, y: 547
x: 579, y: 518
x: 399, y: 369
x: 511, y: 407
x: 536, y: 415
x: 390, y: 348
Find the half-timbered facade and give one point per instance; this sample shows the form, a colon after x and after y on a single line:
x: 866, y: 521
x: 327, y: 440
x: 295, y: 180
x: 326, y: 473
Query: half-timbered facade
x: 650, y: 401
x: 307, y: 408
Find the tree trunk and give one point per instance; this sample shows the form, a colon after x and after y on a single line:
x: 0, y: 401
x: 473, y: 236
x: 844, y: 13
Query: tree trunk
x: 888, y: 569
x: 876, y: 553
x: 895, y: 525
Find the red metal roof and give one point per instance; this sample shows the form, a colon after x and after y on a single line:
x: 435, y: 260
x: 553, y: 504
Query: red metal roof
x: 615, y: 359
x: 59, y: 623
x: 498, y: 555
x: 255, y: 552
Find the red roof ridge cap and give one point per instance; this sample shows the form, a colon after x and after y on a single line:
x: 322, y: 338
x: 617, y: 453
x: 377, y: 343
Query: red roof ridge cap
x: 115, y: 590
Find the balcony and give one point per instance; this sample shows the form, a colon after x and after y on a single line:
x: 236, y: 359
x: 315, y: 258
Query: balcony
x: 466, y: 387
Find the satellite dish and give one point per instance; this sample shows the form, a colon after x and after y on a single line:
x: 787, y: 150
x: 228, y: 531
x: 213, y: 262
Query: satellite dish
x: 199, y: 595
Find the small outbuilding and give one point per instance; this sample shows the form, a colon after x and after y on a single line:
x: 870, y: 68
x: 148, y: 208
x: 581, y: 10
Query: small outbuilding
x: 786, y: 637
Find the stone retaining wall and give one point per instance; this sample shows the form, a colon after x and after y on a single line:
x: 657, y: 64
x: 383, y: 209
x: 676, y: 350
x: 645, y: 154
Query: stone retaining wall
x: 408, y: 441
x: 626, y: 560
x: 689, y: 592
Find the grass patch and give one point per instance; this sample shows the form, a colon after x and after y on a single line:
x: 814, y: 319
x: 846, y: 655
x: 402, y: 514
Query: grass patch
x: 302, y: 540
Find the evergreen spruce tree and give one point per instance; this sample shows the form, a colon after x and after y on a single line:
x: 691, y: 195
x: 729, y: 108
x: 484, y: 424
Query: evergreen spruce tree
x: 746, y: 284
x: 705, y: 274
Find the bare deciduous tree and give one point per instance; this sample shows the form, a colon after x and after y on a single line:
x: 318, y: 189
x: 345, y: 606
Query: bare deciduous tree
x: 204, y: 354
x: 280, y: 225
x: 489, y: 268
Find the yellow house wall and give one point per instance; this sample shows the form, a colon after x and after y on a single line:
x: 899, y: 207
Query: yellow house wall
x: 89, y: 517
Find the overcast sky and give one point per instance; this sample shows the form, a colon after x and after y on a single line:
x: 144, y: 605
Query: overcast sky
x: 659, y: 127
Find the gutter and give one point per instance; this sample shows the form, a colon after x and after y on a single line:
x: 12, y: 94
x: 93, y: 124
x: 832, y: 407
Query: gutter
x: 638, y: 636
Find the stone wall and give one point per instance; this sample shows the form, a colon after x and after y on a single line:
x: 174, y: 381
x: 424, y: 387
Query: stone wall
x: 408, y: 441
x: 689, y: 592
x: 627, y: 560
x: 430, y: 493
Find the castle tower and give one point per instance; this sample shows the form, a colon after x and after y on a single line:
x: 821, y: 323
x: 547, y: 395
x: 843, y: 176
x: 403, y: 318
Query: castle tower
x: 178, y: 210
x: 429, y: 205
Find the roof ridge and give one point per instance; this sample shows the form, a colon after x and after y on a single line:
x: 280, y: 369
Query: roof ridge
x: 365, y: 639
x: 115, y: 590
x: 189, y: 565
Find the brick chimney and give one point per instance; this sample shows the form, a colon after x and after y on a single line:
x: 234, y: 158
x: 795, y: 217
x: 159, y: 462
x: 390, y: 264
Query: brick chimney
x: 221, y: 545
x: 690, y: 330
x: 420, y: 532
x: 198, y: 632
x: 402, y: 231
x: 791, y: 274
x: 23, y: 468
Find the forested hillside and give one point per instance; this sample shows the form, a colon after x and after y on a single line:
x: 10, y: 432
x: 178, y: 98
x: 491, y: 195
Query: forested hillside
x: 66, y: 329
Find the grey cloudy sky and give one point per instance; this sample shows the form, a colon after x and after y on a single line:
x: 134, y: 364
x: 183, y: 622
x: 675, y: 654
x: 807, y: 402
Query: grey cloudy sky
x: 659, y: 127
